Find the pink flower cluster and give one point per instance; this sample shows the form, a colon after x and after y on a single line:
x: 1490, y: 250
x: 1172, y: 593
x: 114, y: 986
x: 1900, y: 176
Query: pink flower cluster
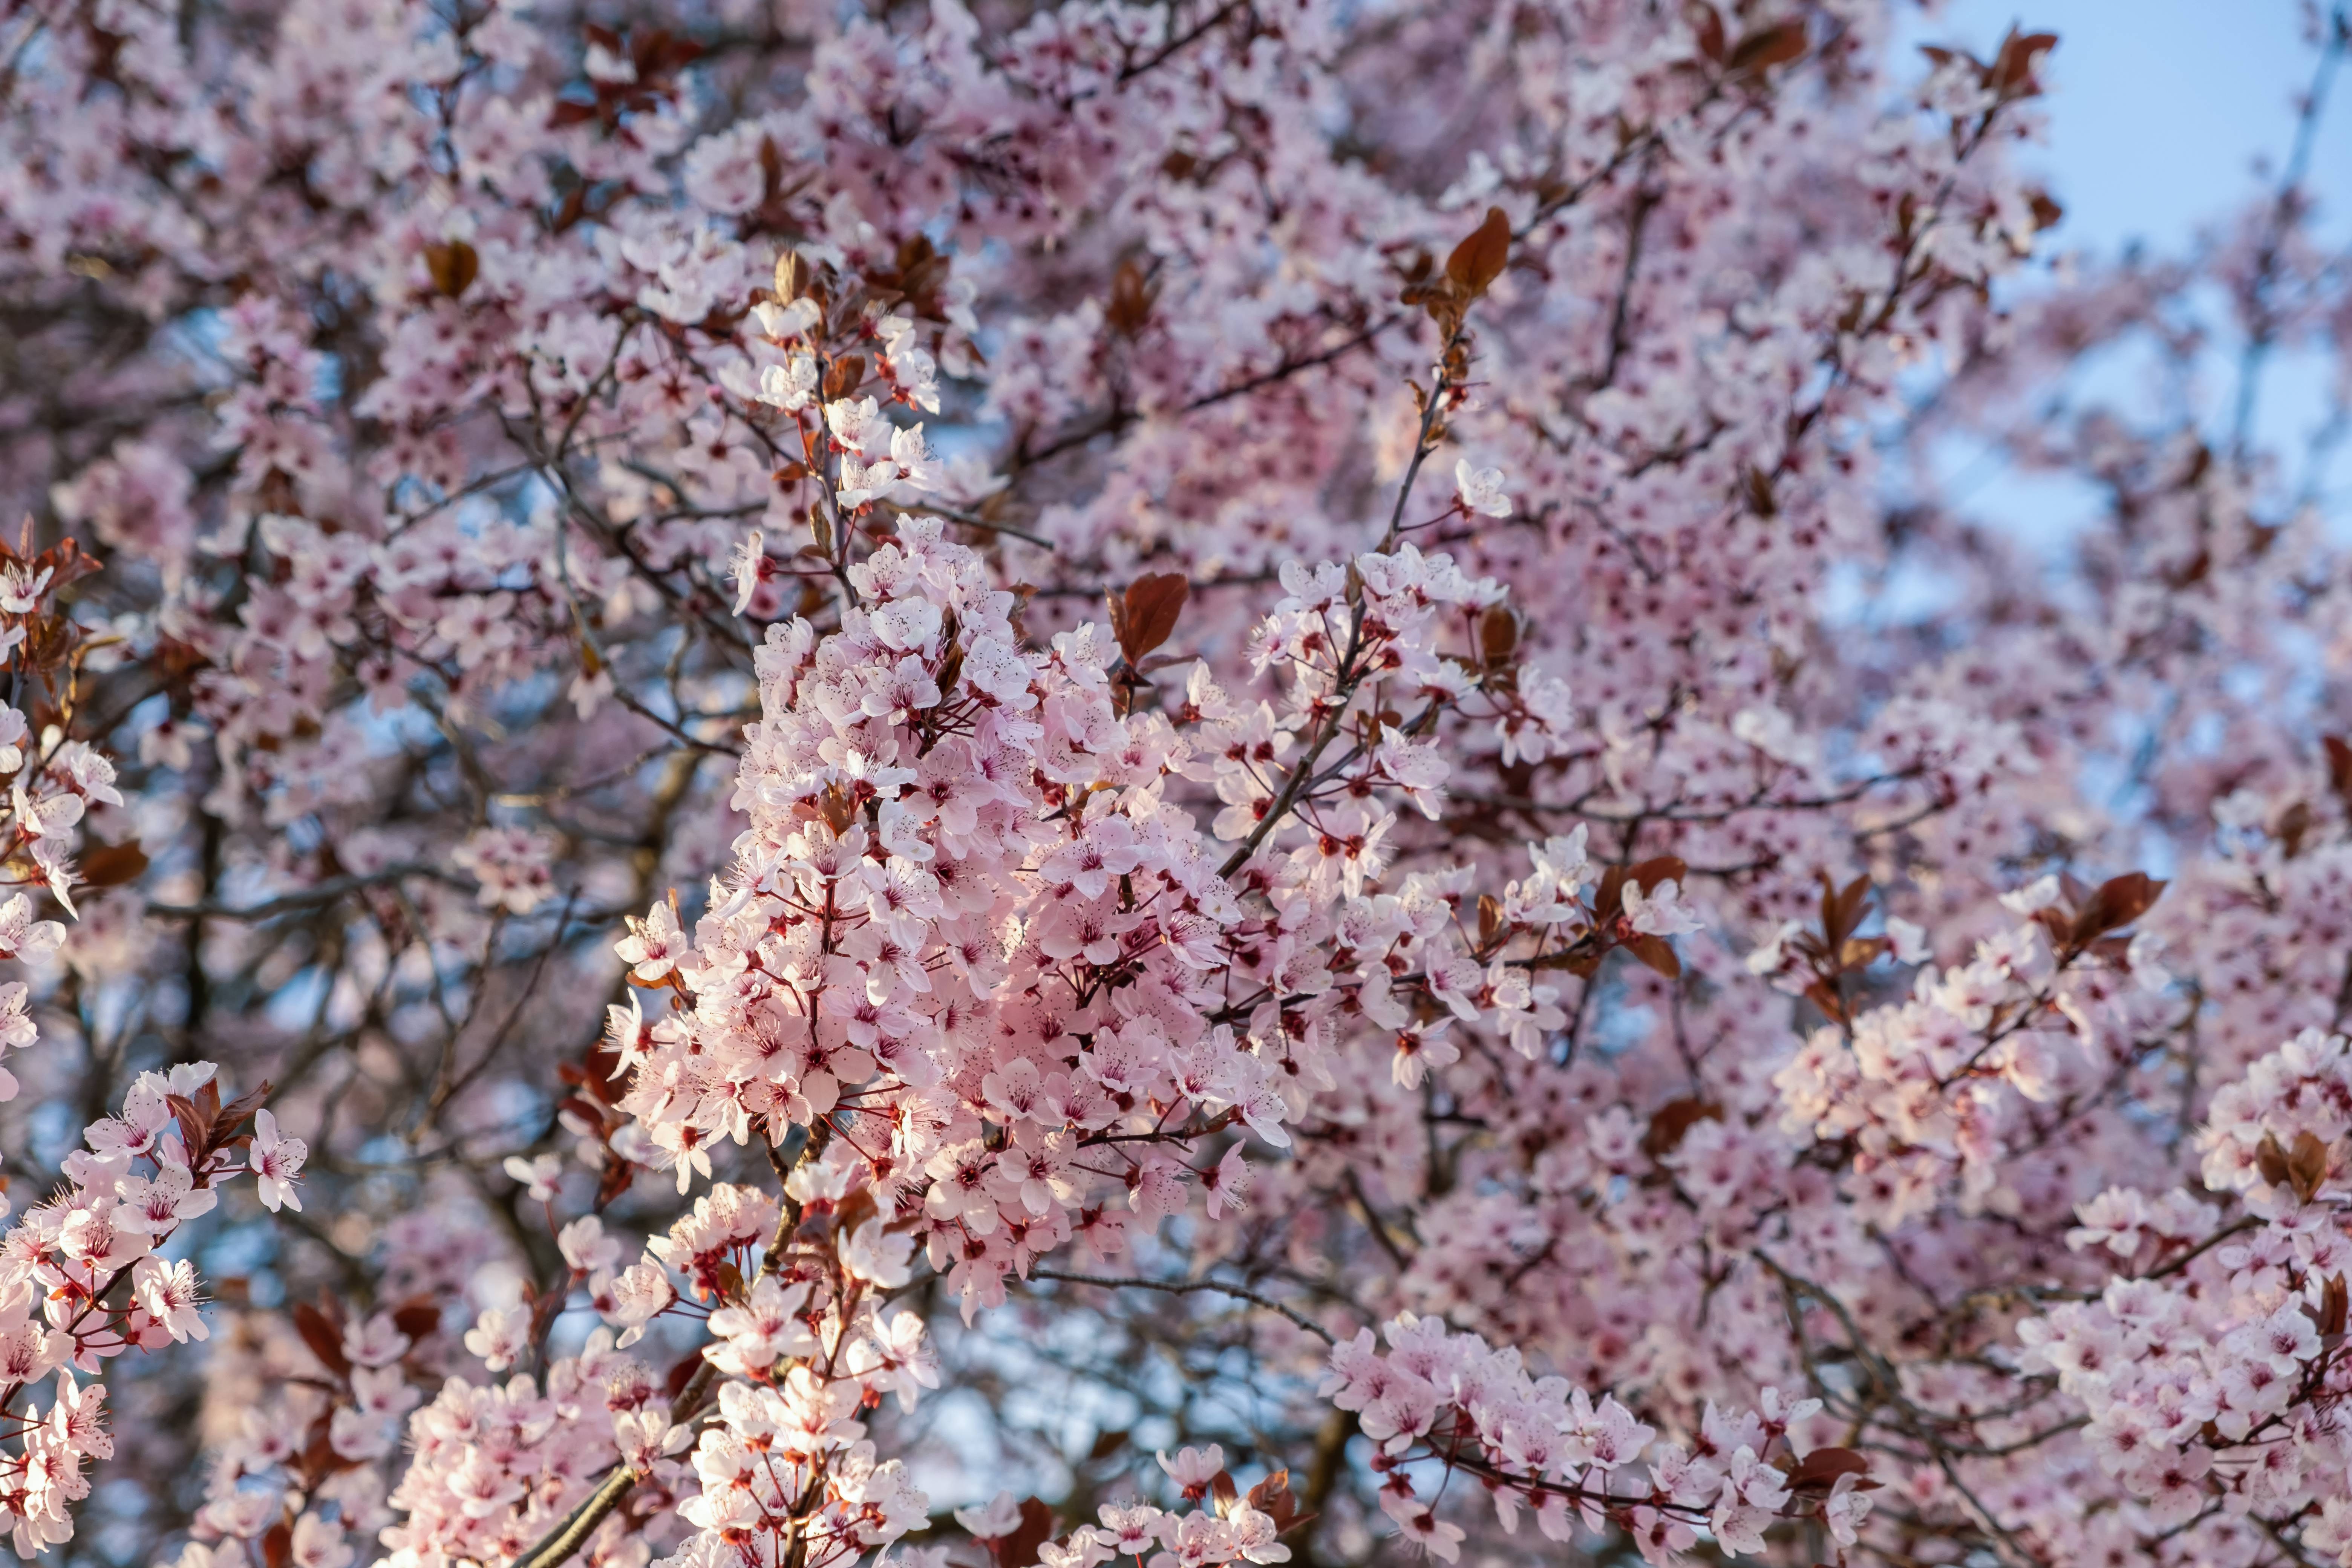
x: 1545, y: 1444
x: 933, y: 746
x: 82, y: 1281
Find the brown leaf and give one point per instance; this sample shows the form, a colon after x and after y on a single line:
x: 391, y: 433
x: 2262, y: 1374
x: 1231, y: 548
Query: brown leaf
x: 1647, y: 875
x: 1498, y: 634
x: 1582, y: 961
x: 319, y: 1459
x: 2307, y: 1165
x: 1609, y: 897
x: 195, y: 1123
x: 792, y: 276
x: 1707, y: 27
x: 1655, y: 952
x: 839, y: 808
x: 419, y: 1318
x: 277, y: 1545
x: 1273, y: 1498
x: 325, y: 1336
x: 1479, y: 260
x: 64, y: 564
x: 2334, y: 1300
x: 1490, y: 919
x: 1842, y: 910
x: 2011, y: 72
x: 2294, y: 823
x: 1019, y: 1550
x: 1672, y: 1121
x: 1861, y: 952
x: 1822, y: 996
x: 226, y: 1119
x: 2119, y: 901
x: 1768, y: 47
x: 452, y: 265
x: 1147, y: 617
x: 111, y: 865
x: 1818, y: 1471
x: 1133, y: 293
x: 846, y: 374
x: 2269, y: 1159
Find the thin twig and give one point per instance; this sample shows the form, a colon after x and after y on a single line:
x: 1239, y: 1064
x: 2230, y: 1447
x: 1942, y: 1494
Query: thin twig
x: 1186, y: 1286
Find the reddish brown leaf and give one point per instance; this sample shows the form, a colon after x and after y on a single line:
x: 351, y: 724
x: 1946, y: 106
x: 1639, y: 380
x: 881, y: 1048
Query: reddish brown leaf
x: 1019, y: 1550
x: 195, y: 1123
x: 325, y: 1336
x: 847, y: 373
x: 2334, y: 1302
x: 839, y: 807
x: 792, y: 276
x: 2269, y: 1159
x: 1498, y: 634
x: 1479, y: 260
x: 1655, y: 952
x: 1133, y: 293
x: 1147, y: 617
x: 1822, y: 996
x: 111, y: 865
x: 2012, y: 73
x: 1766, y: 47
x: 1707, y: 27
x: 1273, y: 1498
x: 2339, y: 767
x: 1819, y: 1471
x: 2119, y: 901
x: 2307, y: 1165
x: 1859, y: 951
x: 1490, y: 919
x: 453, y: 266
x: 419, y: 1318
x: 1672, y: 1121
x: 224, y: 1121
x: 1842, y: 910
x: 1609, y: 897
x: 1648, y: 875
x: 2294, y: 823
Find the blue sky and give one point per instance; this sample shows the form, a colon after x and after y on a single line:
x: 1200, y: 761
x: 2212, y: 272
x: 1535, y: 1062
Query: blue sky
x: 2159, y: 109
x: 2165, y: 117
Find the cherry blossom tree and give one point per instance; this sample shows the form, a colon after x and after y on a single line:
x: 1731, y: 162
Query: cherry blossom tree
x: 1211, y: 783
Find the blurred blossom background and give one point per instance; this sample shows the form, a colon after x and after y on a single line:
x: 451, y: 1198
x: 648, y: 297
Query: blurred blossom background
x: 2162, y: 116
